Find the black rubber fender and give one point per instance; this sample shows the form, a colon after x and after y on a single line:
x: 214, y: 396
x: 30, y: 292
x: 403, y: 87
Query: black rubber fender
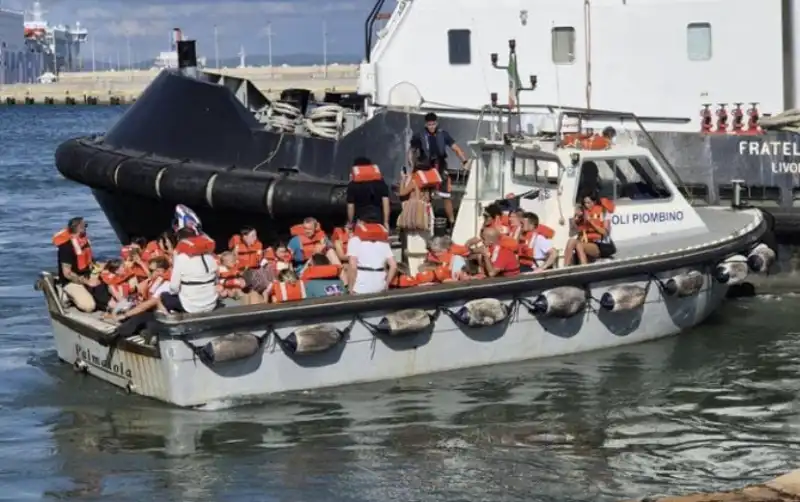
x: 185, y: 184
x: 98, y: 169
x: 139, y: 176
x: 298, y: 198
x: 232, y: 190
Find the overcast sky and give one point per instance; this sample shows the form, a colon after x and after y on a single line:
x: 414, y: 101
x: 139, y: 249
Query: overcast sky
x: 296, y: 24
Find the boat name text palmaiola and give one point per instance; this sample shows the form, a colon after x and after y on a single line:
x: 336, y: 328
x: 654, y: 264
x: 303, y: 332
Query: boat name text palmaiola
x: 102, y: 363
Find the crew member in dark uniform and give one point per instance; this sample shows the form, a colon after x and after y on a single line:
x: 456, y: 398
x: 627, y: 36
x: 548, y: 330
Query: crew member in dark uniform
x: 430, y: 146
x: 75, y: 267
x: 367, y: 194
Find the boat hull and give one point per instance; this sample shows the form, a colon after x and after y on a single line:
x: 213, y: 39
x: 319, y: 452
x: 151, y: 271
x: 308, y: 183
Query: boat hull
x: 176, y: 374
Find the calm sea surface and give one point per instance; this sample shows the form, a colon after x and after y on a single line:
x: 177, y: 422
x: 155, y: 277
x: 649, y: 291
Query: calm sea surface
x: 713, y: 408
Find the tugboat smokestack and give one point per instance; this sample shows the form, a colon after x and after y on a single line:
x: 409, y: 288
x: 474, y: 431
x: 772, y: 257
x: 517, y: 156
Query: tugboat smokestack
x: 187, y: 58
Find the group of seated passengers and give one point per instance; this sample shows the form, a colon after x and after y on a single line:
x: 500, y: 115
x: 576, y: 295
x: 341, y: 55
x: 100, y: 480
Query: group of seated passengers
x: 180, y: 273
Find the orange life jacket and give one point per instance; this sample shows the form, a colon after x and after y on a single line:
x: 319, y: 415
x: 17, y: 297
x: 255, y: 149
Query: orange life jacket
x: 287, y: 291
x: 444, y: 271
x: 118, y: 282
x: 403, y: 281
x: 81, y: 246
x: 229, y: 277
x: 597, y: 214
x: 340, y: 235
x: 198, y: 245
x: 311, y: 272
x: 308, y: 243
x: 526, y: 247
x: 137, y: 270
x: 371, y: 232
x: 587, y: 141
x: 460, y: 250
x: 509, y: 243
x: 425, y: 277
x: 427, y: 178
x: 148, y: 288
x: 152, y: 250
x: 361, y: 174
x: 246, y: 256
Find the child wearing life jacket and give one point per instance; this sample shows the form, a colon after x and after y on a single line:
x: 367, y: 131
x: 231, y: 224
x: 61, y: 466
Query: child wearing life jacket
x: 322, y: 278
x: 161, y: 247
x: 591, y: 225
x: 132, y: 262
x: 247, y: 249
x: 287, y: 288
x: 536, y: 251
x: 121, y: 284
x: 150, y: 290
x: 231, y: 283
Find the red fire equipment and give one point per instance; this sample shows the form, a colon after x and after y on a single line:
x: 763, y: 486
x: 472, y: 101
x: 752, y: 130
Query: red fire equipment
x: 706, y: 118
x: 722, y: 119
x: 737, y: 124
x: 752, y: 120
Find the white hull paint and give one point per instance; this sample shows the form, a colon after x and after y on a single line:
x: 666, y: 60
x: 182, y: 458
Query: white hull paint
x: 180, y: 378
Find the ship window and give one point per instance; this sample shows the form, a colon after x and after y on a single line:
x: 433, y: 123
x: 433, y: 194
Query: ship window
x: 563, y: 42
x: 623, y: 179
x: 458, y: 44
x: 698, y: 41
x: 535, y: 172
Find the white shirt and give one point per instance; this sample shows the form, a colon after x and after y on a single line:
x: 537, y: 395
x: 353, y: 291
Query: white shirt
x: 369, y: 254
x: 194, y: 279
x: 540, y: 245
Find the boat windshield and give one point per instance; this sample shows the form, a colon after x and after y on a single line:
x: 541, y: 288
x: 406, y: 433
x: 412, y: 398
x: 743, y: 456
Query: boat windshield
x: 535, y: 172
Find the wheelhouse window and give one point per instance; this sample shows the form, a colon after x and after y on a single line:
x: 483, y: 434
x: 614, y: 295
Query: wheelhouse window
x: 563, y: 44
x: 490, y: 182
x: 459, y: 47
x: 535, y: 172
x: 698, y: 41
x: 622, y: 179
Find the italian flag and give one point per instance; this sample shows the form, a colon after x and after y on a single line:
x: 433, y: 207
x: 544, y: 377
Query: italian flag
x: 514, y: 84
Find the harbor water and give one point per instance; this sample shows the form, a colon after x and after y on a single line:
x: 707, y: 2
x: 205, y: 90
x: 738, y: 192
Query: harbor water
x: 712, y: 409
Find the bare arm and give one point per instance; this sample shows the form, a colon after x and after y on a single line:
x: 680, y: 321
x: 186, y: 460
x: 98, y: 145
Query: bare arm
x: 351, y: 212
x: 175, y: 278
x: 391, y: 272
x: 387, y: 210
x: 352, y: 270
x: 70, y: 275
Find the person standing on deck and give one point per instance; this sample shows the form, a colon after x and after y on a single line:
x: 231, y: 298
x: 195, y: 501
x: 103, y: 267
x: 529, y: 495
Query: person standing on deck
x: 367, y: 194
x: 430, y: 146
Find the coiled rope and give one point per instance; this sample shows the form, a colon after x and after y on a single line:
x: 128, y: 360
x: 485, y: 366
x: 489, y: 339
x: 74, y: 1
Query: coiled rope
x: 324, y: 121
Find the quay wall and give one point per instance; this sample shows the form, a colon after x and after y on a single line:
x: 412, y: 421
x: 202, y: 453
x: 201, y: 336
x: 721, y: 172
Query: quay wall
x: 127, y: 85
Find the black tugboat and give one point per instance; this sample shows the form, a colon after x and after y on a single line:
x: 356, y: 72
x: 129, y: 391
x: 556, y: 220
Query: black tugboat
x: 219, y: 145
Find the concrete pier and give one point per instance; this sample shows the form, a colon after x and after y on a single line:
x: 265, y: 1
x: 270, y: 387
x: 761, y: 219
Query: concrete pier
x: 784, y: 488
x: 121, y: 87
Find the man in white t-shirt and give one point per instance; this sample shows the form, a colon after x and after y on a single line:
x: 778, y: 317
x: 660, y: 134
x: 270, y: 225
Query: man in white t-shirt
x: 372, y: 266
x: 543, y: 253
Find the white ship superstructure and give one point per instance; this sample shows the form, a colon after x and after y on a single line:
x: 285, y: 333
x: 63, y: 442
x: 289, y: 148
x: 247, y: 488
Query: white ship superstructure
x: 59, y: 44
x: 18, y: 62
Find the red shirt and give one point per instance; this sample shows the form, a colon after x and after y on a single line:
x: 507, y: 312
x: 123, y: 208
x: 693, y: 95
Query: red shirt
x: 504, y: 261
